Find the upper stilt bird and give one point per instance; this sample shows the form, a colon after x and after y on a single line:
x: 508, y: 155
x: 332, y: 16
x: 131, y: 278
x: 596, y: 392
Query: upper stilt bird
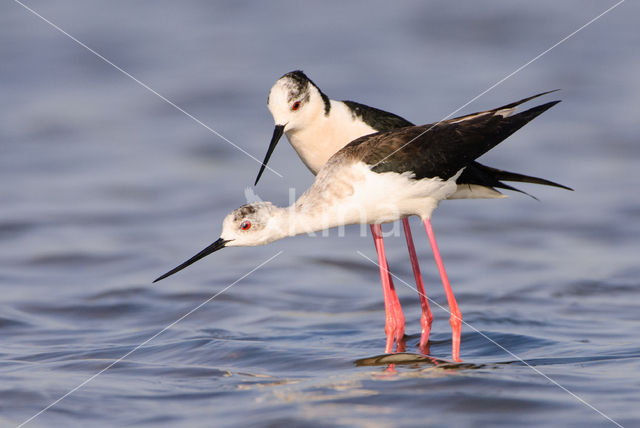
x: 317, y: 127
x: 375, y: 179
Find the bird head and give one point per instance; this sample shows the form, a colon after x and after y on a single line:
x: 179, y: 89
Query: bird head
x: 250, y: 225
x: 295, y: 102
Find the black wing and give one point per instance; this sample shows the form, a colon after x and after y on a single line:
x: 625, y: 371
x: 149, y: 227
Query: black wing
x: 439, y: 150
x: 475, y: 173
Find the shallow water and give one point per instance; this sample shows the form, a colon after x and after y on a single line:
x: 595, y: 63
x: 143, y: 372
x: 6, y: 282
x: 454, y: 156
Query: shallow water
x: 104, y: 186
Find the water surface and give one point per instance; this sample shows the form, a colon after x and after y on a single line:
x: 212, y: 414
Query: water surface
x: 104, y: 186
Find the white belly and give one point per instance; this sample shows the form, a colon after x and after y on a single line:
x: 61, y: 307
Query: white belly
x: 343, y: 195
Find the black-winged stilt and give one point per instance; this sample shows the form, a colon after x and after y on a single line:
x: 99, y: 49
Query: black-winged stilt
x: 375, y: 179
x: 317, y: 127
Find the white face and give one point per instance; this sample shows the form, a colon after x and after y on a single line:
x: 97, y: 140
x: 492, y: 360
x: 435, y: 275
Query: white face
x: 294, y: 103
x: 251, y: 225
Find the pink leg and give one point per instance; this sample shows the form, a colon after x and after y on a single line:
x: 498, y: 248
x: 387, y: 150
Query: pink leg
x: 456, y: 317
x: 401, y: 346
x: 394, y: 319
x: 427, y: 317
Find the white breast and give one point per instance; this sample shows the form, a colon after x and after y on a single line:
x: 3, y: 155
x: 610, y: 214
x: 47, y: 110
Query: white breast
x: 316, y: 142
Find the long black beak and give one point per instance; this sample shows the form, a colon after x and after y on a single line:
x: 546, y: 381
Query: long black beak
x: 277, y: 133
x: 220, y: 243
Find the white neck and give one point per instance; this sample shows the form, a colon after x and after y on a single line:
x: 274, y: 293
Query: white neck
x: 294, y: 220
x: 324, y: 136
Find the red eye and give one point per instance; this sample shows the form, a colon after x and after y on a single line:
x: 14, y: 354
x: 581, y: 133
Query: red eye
x: 295, y: 106
x: 245, y: 225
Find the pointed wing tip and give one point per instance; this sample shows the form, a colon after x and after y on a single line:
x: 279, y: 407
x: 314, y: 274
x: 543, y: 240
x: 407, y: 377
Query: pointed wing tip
x: 534, y: 112
x: 551, y: 91
x: 541, y: 94
x: 524, y: 100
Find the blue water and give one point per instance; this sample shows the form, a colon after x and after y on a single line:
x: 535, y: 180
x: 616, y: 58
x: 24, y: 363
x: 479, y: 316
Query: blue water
x: 104, y: 186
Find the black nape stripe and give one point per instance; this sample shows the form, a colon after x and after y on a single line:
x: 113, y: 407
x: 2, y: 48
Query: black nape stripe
x: 379, y: 120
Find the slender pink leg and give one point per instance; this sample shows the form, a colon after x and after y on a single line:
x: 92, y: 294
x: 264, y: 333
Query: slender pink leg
x: 427, y: 317
x: 456, y: 317
x: 394, y: 319
x: 401, y: 346
x: 397, y: 313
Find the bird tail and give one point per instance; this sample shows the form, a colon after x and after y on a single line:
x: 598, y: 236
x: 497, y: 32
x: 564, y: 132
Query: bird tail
x: 501, y: 175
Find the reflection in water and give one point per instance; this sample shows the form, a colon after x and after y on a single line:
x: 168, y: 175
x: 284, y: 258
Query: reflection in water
x: 410, y: 359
